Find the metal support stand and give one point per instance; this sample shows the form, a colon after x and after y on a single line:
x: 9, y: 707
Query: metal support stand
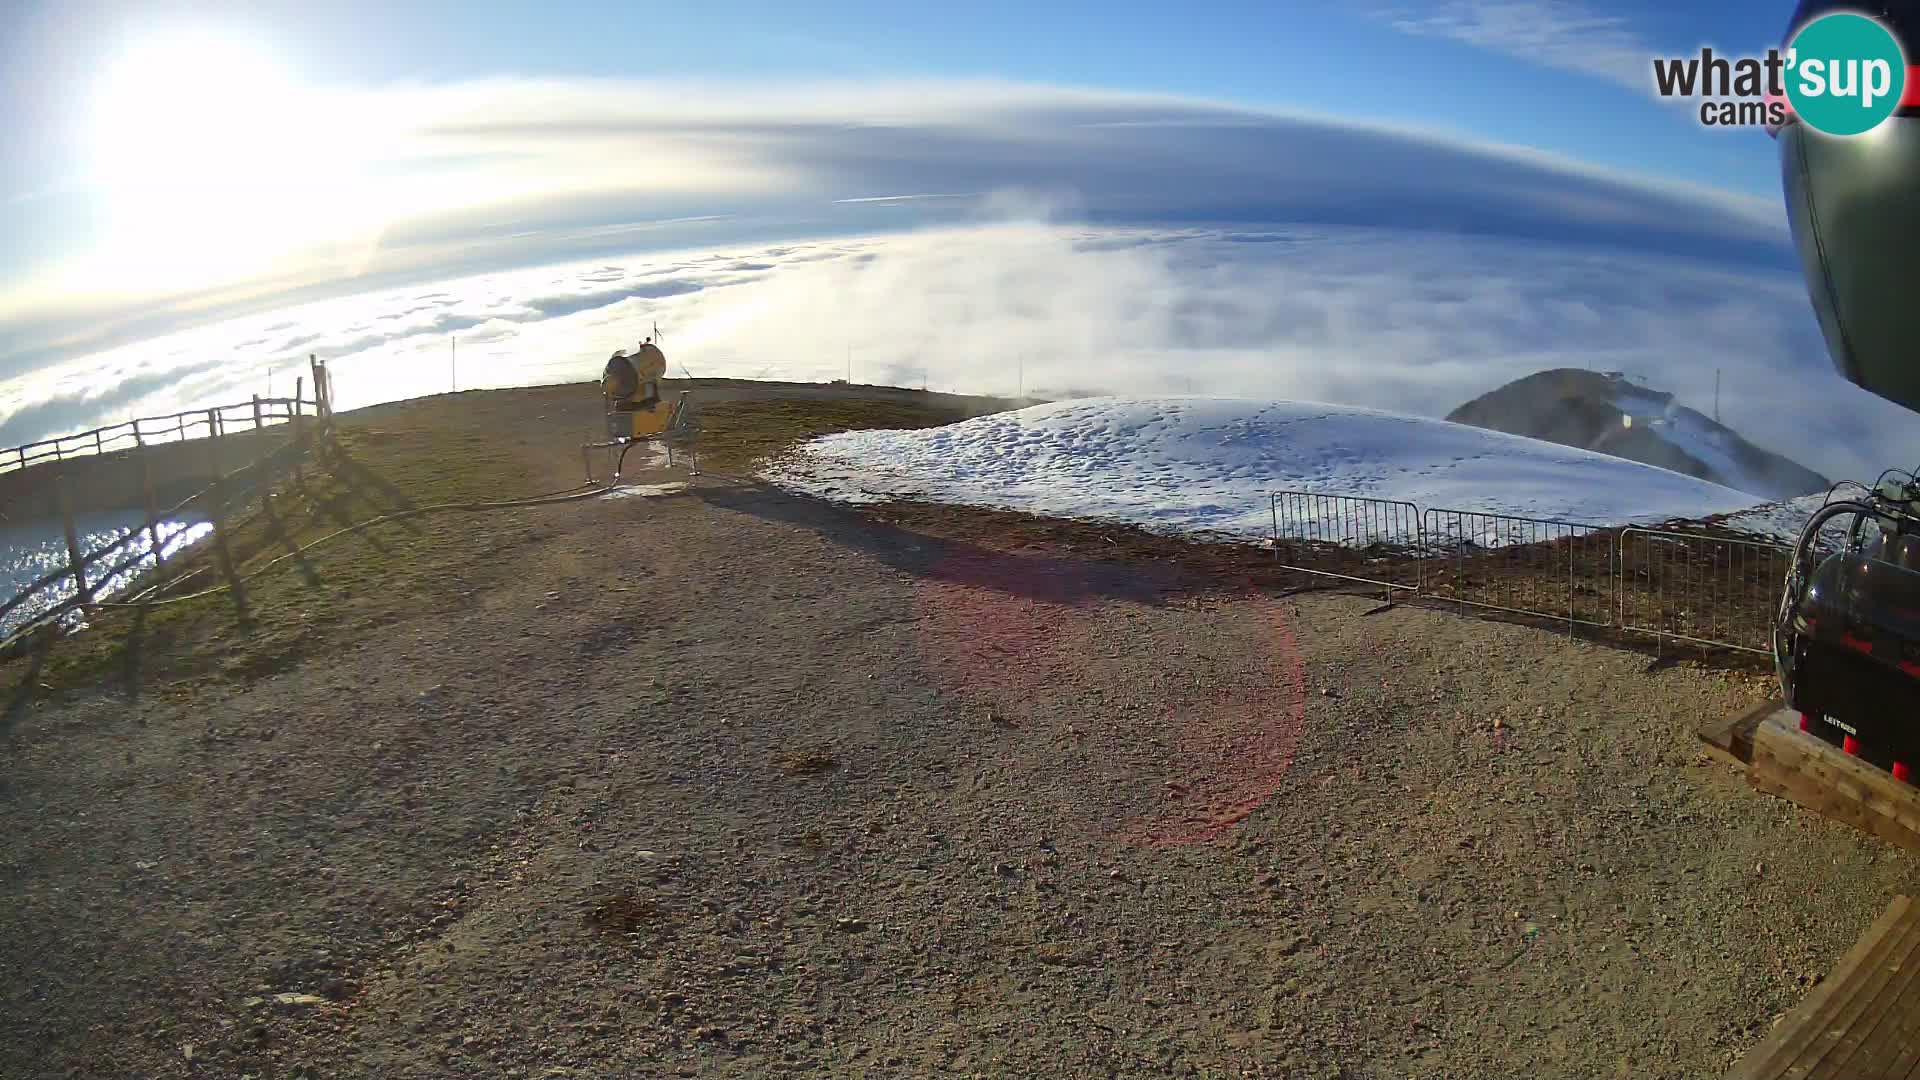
x: 679, y: 433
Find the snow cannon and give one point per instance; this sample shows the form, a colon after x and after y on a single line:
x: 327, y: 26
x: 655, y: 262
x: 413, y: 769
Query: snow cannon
x: 1847, y: 635
x: 631, y: 387
x: 637, y: 411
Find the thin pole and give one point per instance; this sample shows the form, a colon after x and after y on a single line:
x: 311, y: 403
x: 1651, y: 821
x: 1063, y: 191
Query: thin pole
x: 222, y: 552
x: 148, y: 503
x: 299, y: 421
x: 453, y: 364
x: 75, y: 564
x: 213, y: 447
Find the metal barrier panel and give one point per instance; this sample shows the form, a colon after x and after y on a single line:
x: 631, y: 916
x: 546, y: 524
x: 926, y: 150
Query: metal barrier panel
x: 1710, y: 590
x: 1529, y: 566
x: 1370, y: 541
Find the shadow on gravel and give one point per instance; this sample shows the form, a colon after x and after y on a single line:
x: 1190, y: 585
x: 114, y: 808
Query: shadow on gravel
x: 1041, y: 578
x: 364, y: 482
x: 1066, y: 564
x: 24, y: 691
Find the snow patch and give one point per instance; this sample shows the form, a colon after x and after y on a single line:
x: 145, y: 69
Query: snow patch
x: 1689, y: 433
x: 1209, y: 466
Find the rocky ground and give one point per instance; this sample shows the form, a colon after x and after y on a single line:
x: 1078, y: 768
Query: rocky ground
x: 723, y: 782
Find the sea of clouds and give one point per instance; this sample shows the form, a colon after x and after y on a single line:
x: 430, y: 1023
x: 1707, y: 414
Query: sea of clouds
x: 1060, y: 244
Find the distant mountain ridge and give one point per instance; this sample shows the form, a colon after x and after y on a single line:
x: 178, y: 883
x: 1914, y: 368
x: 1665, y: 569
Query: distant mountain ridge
x: 1607, y: 413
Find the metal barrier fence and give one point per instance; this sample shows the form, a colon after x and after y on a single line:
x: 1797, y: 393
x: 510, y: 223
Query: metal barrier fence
x: 1369, y: 541
x: 1530, y: 566
x: 1711, y: 590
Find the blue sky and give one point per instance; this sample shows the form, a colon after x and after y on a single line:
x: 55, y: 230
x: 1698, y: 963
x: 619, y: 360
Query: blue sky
x: 1396, y: 203
x: 202, y: 194
x: 1354, y: 60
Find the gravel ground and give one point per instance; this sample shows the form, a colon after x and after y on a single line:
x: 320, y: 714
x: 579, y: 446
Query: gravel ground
x: 728, y: 783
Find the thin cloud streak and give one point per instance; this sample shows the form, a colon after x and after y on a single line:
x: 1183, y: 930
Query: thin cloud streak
x: 1560, y: 34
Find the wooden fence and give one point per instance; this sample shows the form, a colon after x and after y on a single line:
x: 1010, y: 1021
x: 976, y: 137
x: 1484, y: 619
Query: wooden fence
x: 311, y: 420
x: 196, y: 423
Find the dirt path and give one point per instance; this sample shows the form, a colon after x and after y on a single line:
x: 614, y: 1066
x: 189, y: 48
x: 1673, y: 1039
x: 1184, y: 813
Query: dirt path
x: 728, y: 783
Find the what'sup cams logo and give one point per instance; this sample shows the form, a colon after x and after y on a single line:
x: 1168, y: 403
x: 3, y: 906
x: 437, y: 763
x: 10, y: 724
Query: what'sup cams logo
x: 1842, y: 74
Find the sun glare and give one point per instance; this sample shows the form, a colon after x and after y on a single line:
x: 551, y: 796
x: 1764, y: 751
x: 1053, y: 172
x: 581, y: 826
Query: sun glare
x: 214, y: 164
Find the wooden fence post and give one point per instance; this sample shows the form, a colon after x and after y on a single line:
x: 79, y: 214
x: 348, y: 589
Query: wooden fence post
x: 98, y: 446
x: 217, y: 507
x: 213, y: 443
x: 222, y: 551
x: 153, y: 515
x: 297, y: 417
x: 322, y: 392
x: 74, y: 562
x: 258, y: 423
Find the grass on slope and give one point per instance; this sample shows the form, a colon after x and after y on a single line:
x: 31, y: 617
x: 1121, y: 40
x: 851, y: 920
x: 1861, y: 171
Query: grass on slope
x: 738, y: 435
x: 430, y: 451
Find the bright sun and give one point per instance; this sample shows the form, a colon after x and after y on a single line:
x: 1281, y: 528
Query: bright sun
x: 214, y: 164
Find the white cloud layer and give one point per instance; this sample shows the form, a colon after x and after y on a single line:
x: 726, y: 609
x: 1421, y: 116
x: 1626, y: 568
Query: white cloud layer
x: 1387, y: 318
x: 483, y: 176
x: 983, y: 239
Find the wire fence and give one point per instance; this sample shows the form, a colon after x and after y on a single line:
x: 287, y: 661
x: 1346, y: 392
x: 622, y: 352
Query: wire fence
x: 1342, y: 536
x: 1668, y: 583
x: 1709, y: 590
x: 1529, y: 566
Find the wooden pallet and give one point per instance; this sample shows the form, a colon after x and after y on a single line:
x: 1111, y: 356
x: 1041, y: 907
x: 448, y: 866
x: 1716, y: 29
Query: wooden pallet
x: 1782, y: 760
x: 1863, y: 1021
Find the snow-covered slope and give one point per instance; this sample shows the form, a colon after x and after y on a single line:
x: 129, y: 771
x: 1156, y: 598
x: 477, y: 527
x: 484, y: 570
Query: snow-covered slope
x: 1209, y: 465
x: 1779, y: 521
x: 1729, y: 459
x: 1613, y: 415
x: 1783, y: 522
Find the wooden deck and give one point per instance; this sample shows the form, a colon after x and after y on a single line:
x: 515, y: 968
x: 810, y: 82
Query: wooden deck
x: 1863, y: 1021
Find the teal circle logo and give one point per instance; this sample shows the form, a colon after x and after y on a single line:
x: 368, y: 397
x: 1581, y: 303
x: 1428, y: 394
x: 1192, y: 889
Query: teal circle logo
x: 1845, y: 74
